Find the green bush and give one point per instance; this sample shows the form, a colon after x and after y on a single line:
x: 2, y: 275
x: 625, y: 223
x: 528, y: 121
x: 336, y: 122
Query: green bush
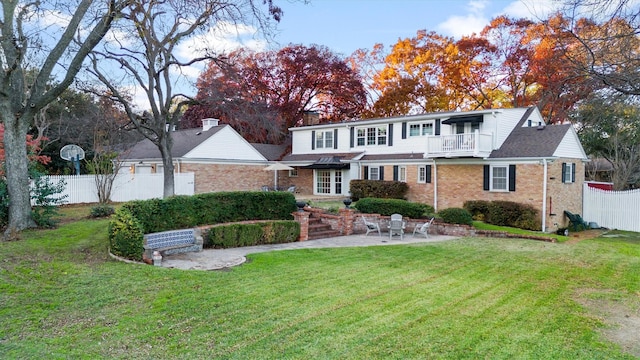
x: 477, y: 208
x: 126, y: 236
x: 393, y: 206
x: 238, y: 235
x: 101, y: 210
x: 456, y: 216
x: 46, y: 199
x: 509, y: 213
x: 360, y: 189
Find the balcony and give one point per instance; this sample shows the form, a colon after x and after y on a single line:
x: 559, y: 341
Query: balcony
x: 460, y: 145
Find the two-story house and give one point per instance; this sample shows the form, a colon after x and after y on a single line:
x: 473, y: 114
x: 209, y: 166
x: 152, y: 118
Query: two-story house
x: 448, y: 158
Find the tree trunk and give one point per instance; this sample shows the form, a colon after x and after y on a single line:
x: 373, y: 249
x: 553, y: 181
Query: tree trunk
x: 17, y: 172
x: 167, y: 165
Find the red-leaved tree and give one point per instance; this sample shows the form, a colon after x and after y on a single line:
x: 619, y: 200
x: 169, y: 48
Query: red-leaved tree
x: 262, y: 94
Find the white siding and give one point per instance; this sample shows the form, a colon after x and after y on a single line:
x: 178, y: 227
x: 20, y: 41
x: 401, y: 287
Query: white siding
x: 502, y: 124
x: 302, y: 140
x: 570, y: 146
x: 225, y: 144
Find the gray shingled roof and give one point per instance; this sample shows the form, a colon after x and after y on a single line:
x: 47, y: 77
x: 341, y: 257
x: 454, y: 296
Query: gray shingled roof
x: 183, y: 142
x: 531, y: 142
x: 269, y: 151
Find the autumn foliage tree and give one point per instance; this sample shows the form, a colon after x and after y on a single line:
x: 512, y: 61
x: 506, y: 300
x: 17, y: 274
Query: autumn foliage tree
x: 511, y: 63
x: 263, y: 93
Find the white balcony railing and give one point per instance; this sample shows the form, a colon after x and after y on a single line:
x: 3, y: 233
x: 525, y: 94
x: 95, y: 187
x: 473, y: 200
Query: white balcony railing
x: 469, y: 144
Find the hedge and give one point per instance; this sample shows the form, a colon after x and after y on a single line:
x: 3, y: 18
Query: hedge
x: 393, y: 206
x: 377, y: 189
x: 455, y: 216
x: 139, y: 217
x: 238, y: 235
x: 505, y: 213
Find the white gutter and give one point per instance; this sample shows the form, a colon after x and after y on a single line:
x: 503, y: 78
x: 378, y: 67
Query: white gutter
x: 435, y: 186
x: 544, y: 196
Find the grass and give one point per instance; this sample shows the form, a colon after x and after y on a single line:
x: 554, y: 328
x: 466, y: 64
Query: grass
x: 484, y: 226
x: 61, y: 296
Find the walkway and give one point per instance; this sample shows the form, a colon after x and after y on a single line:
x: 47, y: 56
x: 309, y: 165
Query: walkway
x: 216, y: 259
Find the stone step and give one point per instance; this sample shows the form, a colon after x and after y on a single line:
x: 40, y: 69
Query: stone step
x: 323, y: 234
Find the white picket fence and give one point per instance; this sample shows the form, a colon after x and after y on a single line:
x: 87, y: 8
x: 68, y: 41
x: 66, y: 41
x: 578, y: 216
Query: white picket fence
x: 82, y: 188
x: 612, y: 209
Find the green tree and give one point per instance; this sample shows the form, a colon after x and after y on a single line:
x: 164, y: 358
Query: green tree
x: 609, y: 127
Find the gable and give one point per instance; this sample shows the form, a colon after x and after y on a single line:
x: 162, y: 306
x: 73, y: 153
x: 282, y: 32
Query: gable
x: 570, y: 146
x: 225, y: 144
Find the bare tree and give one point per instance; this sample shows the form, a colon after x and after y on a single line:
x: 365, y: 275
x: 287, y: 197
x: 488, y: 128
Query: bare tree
x: 606, y: 32
x: 23, y: 48
x: 146, y: 52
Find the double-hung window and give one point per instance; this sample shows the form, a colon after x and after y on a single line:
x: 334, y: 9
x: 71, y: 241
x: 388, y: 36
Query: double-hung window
x: 499, y: 178
x: 324, y: 139
x: 568, y: 172
x: 376, y: 135
x: 374, y: 173
x: 421, y: 129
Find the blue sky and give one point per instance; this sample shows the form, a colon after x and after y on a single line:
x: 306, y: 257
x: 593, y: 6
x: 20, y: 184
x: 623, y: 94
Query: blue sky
x: 347, y: 25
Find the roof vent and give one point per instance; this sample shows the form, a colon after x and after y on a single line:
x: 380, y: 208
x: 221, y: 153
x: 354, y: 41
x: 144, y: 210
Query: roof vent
x: 208, y: 123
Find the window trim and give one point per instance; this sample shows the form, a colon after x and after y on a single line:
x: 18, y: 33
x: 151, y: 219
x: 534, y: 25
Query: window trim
x: 324, y: 139
x: 421, y: 128
x: 377, y: 171
x: 568, y: 173
x: 492, y: 177
x: 379, y: 135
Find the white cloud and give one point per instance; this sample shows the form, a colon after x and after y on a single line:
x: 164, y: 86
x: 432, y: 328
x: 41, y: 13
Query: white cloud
x: 223, y: 38
x: 458, y: 26
x: 530, y: 9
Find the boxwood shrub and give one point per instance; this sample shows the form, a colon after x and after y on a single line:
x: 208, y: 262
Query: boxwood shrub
x: 126, y: 235
x: 238, y: 235
x: 378, y: 189
x: 505, y: 213
x: 455, y: 216
x: 393, y: 206
x: 180, y: 212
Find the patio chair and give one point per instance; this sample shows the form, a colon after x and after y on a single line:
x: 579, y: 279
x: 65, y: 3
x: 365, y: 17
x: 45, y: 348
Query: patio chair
x: 396, y: 226
x: 577, y: 223
x: 265, y: 188
x: 291, y: 189
x: 423, y: 228
x: 371, y: 226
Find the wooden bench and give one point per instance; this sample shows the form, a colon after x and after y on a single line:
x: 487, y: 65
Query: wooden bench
x: 172, y: 242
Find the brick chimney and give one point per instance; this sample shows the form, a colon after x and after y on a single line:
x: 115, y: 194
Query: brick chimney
x: 208, y: 123
x: 310, y: 118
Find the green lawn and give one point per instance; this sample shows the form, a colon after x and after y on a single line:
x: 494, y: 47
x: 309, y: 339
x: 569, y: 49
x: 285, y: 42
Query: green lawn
x: 62, y: 297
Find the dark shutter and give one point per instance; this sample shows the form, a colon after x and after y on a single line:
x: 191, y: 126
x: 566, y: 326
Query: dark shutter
x: 573, y: 172
x: 390, y: 140
x: 428, y: 174
x: 381, y: 172
x: 351, y: 136
x: 512, y: 178
x: 335, y: 138
x: 564, y: 171
x: 404, y: 130
x: 395, y: 172
x: 366, y: 172
x: 485, y: 178
x: 437, y: 127
x: 313, y: 140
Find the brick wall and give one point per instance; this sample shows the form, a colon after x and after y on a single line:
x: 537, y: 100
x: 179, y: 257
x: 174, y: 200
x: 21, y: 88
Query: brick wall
x: 563, y: 196
x: 229, y: 177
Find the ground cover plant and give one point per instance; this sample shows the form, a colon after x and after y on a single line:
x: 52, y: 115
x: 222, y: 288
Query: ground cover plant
x: 62, y: 296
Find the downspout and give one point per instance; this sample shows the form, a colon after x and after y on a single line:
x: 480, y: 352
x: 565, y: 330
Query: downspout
x: 544, y: 196
x: 435, y: 186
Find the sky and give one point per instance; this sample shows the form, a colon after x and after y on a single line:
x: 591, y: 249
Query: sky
x: 347, y: 25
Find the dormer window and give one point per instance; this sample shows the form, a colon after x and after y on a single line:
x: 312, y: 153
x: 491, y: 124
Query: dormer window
x: 324, y: 139
x: 372, y: 136
x: 421, y: 129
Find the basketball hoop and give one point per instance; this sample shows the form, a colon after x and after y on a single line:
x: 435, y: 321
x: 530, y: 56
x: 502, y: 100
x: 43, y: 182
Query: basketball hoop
x: 73, y: 153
